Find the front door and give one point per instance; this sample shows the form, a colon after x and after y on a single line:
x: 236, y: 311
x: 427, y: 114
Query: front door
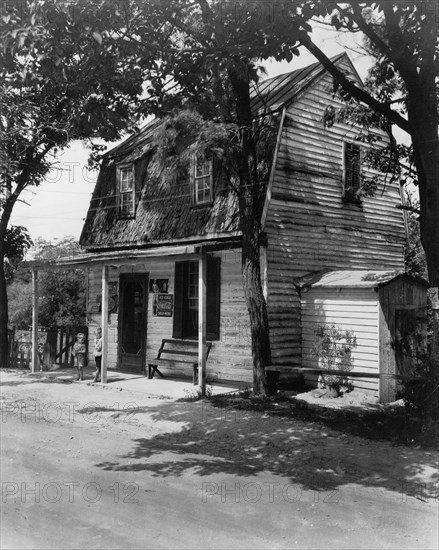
x: 133, y: 293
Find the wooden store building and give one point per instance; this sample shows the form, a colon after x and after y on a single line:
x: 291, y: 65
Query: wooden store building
x: 159, y: 254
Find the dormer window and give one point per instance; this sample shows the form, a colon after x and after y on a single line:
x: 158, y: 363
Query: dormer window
x: 351, y: 172
x: 125, y: 191
x: 203, y: 180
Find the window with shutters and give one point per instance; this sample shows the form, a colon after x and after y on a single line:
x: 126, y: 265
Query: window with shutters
x: 125, y: 195
x: 186, y: 299
x: 203, y: 180
x: 351, y: 172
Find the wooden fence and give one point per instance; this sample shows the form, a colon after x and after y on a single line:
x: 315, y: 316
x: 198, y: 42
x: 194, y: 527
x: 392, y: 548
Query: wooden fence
x: 54, y: 347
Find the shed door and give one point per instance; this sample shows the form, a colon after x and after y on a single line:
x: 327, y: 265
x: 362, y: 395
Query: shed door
x: 410, y: 333
x: 132, y: 321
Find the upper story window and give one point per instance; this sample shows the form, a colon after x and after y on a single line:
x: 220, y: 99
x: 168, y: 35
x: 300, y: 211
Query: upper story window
x: 125, y: 191
x: 351, y: 172
x: 203, y: 180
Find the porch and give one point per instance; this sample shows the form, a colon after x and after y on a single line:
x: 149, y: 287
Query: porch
x: 123, y: 301
x: 170, y: 388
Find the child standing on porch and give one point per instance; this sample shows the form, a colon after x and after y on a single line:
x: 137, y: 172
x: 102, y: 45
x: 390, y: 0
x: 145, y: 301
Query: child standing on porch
x: 98, y: 354
x: 79, y: 352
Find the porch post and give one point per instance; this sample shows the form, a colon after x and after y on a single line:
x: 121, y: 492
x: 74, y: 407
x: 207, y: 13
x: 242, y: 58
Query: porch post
x: 104, y: 323
x: 202, y: 322
x: 35, y: 357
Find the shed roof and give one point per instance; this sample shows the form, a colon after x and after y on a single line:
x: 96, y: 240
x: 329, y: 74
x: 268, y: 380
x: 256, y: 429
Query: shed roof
x: 356, y: 278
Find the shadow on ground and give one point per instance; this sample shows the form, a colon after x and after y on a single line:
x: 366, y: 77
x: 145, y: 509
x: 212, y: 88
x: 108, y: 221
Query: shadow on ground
x: 316, y: 448
x: 300, y: 446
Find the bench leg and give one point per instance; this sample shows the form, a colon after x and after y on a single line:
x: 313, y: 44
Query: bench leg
x: 195, y: 374
x: 152, y: 369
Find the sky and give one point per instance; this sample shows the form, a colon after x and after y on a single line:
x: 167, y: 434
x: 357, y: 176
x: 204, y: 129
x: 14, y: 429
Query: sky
x: 58, y: 207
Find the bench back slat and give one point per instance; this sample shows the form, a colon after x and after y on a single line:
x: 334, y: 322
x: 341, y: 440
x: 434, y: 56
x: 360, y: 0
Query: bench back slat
x: 178, y: 352
x: 181, y: 347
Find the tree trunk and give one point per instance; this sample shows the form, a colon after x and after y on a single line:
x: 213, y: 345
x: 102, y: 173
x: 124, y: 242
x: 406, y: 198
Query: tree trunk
x: 4, y: 313
x: 3, y: 309
x: 256, y: 304
x: 251, y: 201
x: 426, y: 155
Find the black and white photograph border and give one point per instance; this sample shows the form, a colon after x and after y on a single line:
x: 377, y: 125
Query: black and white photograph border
x: 219, y: 251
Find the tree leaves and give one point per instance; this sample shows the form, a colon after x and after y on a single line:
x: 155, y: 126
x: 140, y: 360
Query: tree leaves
x: 98, y: 37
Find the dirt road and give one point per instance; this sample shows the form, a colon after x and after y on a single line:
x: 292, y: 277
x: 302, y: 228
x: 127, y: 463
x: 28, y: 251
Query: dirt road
x: 92, y: 467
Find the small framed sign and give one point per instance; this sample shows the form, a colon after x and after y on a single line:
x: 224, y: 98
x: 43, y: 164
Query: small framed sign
x: 159, y: 285
x: 163, y: 305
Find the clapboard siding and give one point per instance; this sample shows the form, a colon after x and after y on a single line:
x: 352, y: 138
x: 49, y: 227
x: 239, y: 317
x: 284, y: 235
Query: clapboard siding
x: 350, y: 309
x: 230, y: 356
x: 309, y: 227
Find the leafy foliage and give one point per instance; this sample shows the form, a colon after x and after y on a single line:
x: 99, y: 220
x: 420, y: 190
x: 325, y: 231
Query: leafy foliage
x: 62, y: 293
x: 415, y: 262
x: 333, y: 348
x: 17, y: 241
x: 187, y: 131
x: 421, y: 397
x: 67, y: 71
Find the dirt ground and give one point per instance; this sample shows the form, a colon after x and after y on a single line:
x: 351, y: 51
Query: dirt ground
x: 88, y: 466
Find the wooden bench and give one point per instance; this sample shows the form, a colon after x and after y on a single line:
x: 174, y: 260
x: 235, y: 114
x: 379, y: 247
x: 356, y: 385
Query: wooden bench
x: 174, y: 352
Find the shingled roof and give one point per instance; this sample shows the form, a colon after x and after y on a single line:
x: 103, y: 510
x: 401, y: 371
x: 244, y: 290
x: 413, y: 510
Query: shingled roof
x: 274, y: 93
x: 165, y: 214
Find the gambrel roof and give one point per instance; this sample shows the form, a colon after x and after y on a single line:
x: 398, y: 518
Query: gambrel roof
x: 165, y: 213
x: 273, y: 94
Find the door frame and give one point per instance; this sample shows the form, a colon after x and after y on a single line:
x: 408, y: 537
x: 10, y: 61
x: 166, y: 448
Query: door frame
x: 144, y: 277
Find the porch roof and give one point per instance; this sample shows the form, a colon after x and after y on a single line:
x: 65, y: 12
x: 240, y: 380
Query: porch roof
x: 131, y: 256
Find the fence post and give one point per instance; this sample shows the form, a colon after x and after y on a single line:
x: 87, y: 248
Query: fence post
x: 11, y: 346
x: 50, y: 351
x: 35, y: 357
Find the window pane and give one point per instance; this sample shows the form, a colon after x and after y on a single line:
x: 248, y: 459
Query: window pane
x: 202, y: 169
x: 203, y: 181
x: 126, y: 179
x: 126, y: 203
x: 203, y: 188
x: 199, y: 170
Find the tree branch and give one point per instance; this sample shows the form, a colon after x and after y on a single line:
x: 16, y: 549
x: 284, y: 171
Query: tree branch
x: 357, y: 17
x: 402, y: 58
x: 409, y: 208
x: 351, y: 88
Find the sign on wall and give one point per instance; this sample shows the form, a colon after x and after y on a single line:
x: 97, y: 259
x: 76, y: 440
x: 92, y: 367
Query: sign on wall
x: 158, y: 285
x: 163, y: 305
x: 113, y: 300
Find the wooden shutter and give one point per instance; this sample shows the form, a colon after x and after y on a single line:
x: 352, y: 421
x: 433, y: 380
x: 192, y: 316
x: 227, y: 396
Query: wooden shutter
x: 351, y: 171
x: 356, y: 165
x: 180, y: 298
x: 347, y: 167
x: 213, y: 298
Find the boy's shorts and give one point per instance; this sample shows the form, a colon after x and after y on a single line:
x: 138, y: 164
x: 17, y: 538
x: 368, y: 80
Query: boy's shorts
x: 80, y: 360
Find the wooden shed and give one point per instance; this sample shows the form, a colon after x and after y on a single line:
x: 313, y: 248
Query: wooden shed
x: 386, y: 311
